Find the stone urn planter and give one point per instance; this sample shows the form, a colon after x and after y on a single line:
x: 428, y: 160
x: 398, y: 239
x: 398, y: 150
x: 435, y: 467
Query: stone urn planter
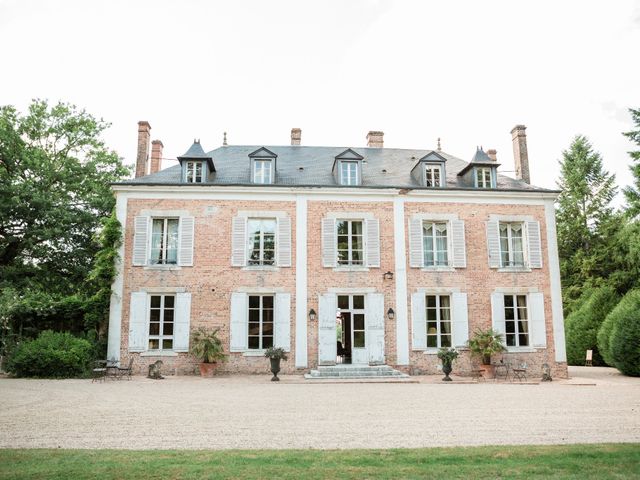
x: 275, y: 355
x: 447, y: 355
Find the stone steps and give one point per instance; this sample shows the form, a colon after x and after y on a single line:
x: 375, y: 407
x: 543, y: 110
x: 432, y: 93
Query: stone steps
x: 356, y: 372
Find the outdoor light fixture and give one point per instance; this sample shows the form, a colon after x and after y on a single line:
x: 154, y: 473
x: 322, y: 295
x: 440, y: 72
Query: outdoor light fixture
x: 312, y: 315
x: 391, y: 314
x: 388, y: 276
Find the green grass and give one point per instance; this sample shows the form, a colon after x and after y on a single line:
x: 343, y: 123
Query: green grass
x: 559, y: 461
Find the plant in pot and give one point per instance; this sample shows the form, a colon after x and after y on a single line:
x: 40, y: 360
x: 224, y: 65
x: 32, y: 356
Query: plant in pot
x: 275, y: 354
x: 208, y: 348
x: 484, y: 344
x: 447, y: 355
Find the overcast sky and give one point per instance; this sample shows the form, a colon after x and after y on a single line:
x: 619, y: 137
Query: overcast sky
x: 465, y: 71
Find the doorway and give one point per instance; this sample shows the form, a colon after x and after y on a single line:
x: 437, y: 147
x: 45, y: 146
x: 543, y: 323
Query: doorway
x: 351, y: 330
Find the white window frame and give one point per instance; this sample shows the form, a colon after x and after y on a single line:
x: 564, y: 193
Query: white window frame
x: 261, y: 261
x: 160, y: 336
x: 516, y: 320
x: 433, y: 237
x: 481, y: 179
x: 351, y: 177
x: 260, y: 335
x: 432, y: 168
x: 511, y: 251
x: 350, y: 249
x: 191, y: 172
x: 263, y: 175
x: 438, y: 320
x: 165, y: 232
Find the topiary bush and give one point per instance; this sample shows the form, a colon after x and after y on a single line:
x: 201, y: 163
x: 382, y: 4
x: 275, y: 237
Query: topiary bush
x: 625, y: 335
x: 51, y: 355
x: 604, y: 334
x: 582, y: 325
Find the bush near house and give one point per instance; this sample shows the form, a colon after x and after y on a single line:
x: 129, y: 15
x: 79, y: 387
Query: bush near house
x: 583, y: 324
x: 51, y: 355
x: 624, y: 342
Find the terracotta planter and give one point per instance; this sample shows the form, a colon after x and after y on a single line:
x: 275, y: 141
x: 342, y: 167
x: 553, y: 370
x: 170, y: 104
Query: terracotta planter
x: 207, y: 369
x: 489, y: 371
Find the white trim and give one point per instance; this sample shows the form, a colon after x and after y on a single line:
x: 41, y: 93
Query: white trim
x: 435, y: 216
x: 253, y: 353
x: 351, y: 290
x: 348, y: 268
x: 511, y: 218
x: 160, y: 290
x: 439, y: 268
x: 262, y: 214
x: 115, y: 307
x: 165, y: 213
x: 262, y: 268
x: 516, y: 290
x: 349, y: 215
x: 301, y: 353
x: 162, y: 266
x: 400, y: 275
x: 556, y: 287
x: 261, y: 290
x: 524, y: 269
x: 437, y: 290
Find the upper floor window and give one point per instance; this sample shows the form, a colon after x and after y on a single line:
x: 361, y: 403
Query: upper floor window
x: 511, y: 244
x: 350, y: 242
x: 164, y: 241
x: 161, y: 316
x: 348, y: 173
x: 262, y: 241
x: 483, y: 177
x: 435, y: 243
x: 432, y: 175
x: 438, y: 321
x: 516, y: 320
x: 261, y: 309
x: 194, y: 172
x: 262, y: 171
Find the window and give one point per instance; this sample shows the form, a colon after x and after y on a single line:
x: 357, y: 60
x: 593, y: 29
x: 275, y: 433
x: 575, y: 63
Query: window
x: 350, y: 242
x: 483, y: 177
x: 511, y: 245
x: 348, y: 173
x: 434, y: 243
x: 261, y: 241
x: 260, y: 322
x: 432, y: 175
x: 516, y: 320
x: 161, y: 315
x: 262, y: 171
x: 164, y: 241
x: 438, y: 321
x: 194, y: 172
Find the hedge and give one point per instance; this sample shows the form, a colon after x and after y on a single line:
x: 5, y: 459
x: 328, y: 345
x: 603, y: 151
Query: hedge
x: 625, y: 335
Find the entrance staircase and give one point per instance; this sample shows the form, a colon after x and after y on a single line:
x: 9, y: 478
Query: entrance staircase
x: 359, y: 373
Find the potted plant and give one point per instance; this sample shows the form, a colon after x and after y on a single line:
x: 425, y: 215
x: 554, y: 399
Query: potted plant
x: 208, y: 348
x: 447, y: 355
x: 485, y: 343
x: 275, y: 354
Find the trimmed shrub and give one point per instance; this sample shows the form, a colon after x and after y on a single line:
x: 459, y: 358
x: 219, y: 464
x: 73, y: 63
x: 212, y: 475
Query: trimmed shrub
x: 625, y: 335
x: 604, y: 335
x: 51, y: 355
x: 582, y: 325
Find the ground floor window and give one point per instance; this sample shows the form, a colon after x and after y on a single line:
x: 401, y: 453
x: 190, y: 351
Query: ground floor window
x: 260, y: 321
x: 516, y: 320
x: 438, y: 321
x: 161, y: 317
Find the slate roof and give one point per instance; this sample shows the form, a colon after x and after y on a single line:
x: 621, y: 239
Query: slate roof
x: 312, y: 166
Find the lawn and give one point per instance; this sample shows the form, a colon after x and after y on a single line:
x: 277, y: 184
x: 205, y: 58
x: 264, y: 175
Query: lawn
x: 504, y: 462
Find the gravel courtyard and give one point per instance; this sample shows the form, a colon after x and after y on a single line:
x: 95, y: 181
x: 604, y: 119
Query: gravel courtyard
x: 251, y: 412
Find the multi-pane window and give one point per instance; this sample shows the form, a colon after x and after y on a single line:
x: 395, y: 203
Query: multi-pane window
x: 438, y: 321
x: 164, y: 241
x: 350, y: 242
x: 262, y: 241
x: 516, y: 320
x: 194, y: 172
x: 432, y: 175
x: 511, y: 244
x: 161, y: 316
x: 262, y: 171
x: 483, y: 177
x: 349, y: 173
x: 260, y: 321
x: 434, y: 243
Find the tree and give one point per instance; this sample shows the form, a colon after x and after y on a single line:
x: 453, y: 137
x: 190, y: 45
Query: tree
x: 624, y: 342
x: 632, y: 193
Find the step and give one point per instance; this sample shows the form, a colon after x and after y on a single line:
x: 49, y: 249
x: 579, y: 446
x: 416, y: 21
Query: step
x: 355, y: 372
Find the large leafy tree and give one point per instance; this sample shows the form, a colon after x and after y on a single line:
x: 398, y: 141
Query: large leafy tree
x: 632, y: 193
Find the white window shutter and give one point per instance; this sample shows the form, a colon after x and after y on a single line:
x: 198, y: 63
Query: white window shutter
x: 327, y: 341
x: 284, y: 242
x: 239, y: 322
x: 239, y: 242
x: 283, y: 321
x: 535, y: 248
x: 140, y: 240
x: 460, y: 319
x: 373, y: 242
x: 416, y: 253
x: 458, y: 245
x: 138, y: 325
x: 181, y: 323
x: 497, y: 313
x: 329, y: 242
x: 185, y: 254
x: 374, y: 311
x: 537, y: 321
x: 493, y: 243
x: 419, y: 321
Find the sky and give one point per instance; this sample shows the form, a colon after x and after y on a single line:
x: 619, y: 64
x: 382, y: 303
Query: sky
x: 462, y: 71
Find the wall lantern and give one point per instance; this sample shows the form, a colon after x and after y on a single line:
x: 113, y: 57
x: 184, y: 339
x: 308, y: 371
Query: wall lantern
x: 312, y: 315
x: 391, y: 314
x: 388, y: 276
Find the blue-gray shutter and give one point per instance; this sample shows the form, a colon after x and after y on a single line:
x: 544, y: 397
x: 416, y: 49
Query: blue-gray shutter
x: 373, y: 242
x: 140, y: 240
x: 497, y: 314
x: 138, y: 326
x: 327, y: 341
x: 284, y: 242
x: 239, y: 242
x: 536, y: 320
x: 329, y: 242
x: 416, y: 254
x: 459, y: 256
x: 460, y: 319
x: 375, y: 327
x: 535, y: 248
x: 493, y: 243
x: 181, y: 322
x: 185, y: 254
x: 239, y: 324
x: 418, y: 321
x: 283, y: 321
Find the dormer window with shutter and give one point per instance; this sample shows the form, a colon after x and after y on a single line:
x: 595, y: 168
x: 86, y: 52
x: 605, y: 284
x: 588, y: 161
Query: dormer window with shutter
x: 263, y: 166
x: 430, y: 171
x: 196, y: 164
x: 347, y: 168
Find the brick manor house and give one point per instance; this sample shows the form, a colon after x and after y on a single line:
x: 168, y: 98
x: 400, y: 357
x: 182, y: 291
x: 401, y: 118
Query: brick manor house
x: 361, y: 255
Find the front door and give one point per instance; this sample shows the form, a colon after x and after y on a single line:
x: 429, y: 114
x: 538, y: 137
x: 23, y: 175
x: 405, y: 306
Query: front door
x: 353, y: 335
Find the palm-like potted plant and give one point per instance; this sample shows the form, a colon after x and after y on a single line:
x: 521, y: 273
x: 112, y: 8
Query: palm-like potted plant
x: 208, y: 348
x: 275, y: 354
x: 447, y: 355
x: 485, y: 343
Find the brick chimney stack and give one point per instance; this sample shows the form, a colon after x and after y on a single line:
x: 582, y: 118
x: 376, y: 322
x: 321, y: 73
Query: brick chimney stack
x: 492, y: 153
x: 296, y: 136
x: 520, y: 153
x: 156, y: 156
x: 144, y: 137
x: 375, y: 139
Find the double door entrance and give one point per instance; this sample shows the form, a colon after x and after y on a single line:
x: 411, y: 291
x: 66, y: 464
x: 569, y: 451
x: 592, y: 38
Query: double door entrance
x: 351, y: 335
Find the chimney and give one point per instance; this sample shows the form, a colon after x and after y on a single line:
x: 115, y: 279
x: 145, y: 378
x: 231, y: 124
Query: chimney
x: 520, y: 153
x: 492, y: 153
x: 375, y: 139
x: 156, y: 156
x: 144, y: 135
x: 296, y: 136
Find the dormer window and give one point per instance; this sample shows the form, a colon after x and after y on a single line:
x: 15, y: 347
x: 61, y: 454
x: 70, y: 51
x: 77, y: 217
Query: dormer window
x: 430, y: 170
x: 196, y: 164
x: 348, y: 173
x: 347, y: 168
x: 262, y: 171
x: 432, y: 175
x: 193, y: 172
x: 483, y: 177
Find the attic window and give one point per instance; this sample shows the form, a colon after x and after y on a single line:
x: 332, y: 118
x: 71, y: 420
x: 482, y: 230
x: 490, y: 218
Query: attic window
x: 262, y: 171
x: 432, y: 175
x: 193, y: 173
x: 348, y: 173
x: 483, y: 177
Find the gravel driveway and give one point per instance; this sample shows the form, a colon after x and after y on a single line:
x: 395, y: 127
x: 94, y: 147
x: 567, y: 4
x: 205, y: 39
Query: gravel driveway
x: 251, y: 412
